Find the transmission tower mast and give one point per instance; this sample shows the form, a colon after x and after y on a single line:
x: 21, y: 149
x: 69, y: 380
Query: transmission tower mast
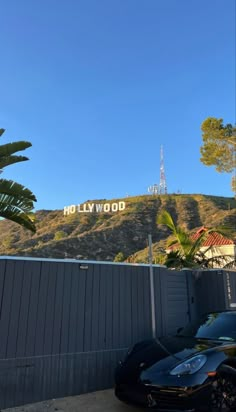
x: 162, y: 185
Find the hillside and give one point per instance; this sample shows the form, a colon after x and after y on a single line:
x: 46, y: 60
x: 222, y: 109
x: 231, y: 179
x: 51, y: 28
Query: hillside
x: 101, y: 236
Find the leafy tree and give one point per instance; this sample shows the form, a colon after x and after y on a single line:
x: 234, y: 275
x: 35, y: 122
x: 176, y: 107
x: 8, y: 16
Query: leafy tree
x: 16, y: 201
x: 8, y: 241
x: 186, y: 250
x: 159, y: 259
x: 119, y: 257
x: 60, y: 234
x: 219, y: 145
x: 234, y: 184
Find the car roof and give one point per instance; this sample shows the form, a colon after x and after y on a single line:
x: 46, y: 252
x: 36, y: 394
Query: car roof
x: 220, y: 311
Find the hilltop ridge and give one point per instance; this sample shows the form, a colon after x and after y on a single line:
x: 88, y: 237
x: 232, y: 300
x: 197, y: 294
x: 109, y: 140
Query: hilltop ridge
x: 102, y: 235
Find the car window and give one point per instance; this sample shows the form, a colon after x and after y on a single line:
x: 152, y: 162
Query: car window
x: 212, y: 326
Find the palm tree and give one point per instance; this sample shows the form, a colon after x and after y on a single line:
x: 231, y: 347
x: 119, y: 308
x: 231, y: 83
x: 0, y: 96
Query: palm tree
x: 186, y: 249
x: 16, y: 201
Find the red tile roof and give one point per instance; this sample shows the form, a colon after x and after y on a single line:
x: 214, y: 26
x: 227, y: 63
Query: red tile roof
x: 214, y: 238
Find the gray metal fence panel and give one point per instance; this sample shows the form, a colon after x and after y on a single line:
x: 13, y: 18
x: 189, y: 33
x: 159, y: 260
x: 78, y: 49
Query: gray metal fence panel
x: 64, y: 325
x: 34, y: 271
x: 33, y: 379
x: 230, y: 288
x: 171, y: 291
x: 58, y: 315
x: 6, y: 307
x: 177, y: 311
x: 210, y: 291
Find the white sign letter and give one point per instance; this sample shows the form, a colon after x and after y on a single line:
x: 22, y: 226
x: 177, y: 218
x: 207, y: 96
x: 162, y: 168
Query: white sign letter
x: 114, y: 207
x: 99, y: 207
x: 66, y: 210
x: 90, y: 206
x: 107, y: 207
x: 72, y: 209
x: 121, y: 205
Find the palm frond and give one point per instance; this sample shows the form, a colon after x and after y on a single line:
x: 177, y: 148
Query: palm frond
x: 187, y: 250
x: 11, y: 188
x: 196, y: 244
x: 24, y: 205
x: 11, y: 148
x: 17, y: 216
x: 230, y: 265
x: 182, y: 238
x: 172, y: 242
x: 220, y: 261
x: 9, y: 160
x: 165, y: 218
x: 223, y: 230
x: 16, y: 201
x: 174, y: 259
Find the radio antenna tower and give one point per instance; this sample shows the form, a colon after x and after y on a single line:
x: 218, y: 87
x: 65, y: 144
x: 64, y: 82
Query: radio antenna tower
x: 162, y: 185
x: 160, y: 189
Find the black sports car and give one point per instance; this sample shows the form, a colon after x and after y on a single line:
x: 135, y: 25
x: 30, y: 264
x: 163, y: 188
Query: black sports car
x: 192, y: 371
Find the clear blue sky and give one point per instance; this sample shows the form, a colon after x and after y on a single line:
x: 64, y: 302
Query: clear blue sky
x: 98, y: 86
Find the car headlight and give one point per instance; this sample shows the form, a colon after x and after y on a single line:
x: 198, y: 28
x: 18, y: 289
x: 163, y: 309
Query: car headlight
x: 189, y: 366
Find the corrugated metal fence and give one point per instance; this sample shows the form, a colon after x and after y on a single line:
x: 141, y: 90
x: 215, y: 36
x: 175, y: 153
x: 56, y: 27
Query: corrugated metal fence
x: 214, y: 290
x: 65, y: 324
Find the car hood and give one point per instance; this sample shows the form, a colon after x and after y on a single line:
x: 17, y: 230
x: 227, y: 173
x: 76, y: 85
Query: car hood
x: 162, y: 354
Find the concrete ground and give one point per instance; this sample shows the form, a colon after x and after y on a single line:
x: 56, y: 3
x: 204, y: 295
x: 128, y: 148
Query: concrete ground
x: 102, y: 401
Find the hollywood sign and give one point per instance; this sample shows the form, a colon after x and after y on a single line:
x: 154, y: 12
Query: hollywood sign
x: 94, y: 207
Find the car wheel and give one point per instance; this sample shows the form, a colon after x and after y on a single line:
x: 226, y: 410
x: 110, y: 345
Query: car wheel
x: 223, y: 397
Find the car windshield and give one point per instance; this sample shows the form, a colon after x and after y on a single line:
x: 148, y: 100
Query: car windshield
x: 220, y: 326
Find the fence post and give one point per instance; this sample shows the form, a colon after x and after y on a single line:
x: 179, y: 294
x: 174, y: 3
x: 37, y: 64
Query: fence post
x: 191, y: 294
x: 152, y: 295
